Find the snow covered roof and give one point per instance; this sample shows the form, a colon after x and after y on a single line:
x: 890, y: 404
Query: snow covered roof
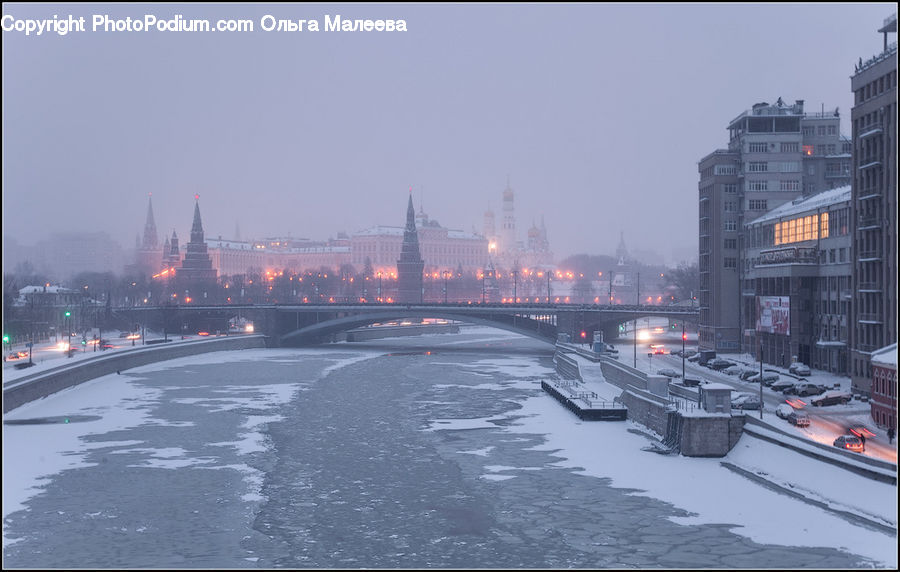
x: 381, y: 230
x: 714, y: 385
x: 797, y: 206
x: 45, y: 290
x: 885, y: 356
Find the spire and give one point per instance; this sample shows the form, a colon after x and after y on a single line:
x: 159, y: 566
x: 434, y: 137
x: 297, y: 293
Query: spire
x: 410, y: 215
x: 151, y: 239
x: 197, y: 227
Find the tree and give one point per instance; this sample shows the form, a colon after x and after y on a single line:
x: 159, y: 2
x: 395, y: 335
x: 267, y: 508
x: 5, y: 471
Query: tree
x: 685, y: 279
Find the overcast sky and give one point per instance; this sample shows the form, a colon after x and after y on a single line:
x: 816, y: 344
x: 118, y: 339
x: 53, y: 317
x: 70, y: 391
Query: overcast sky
x: 598, y: 114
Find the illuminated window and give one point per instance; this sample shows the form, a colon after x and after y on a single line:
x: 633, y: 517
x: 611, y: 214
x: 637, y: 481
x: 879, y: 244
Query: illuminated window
x: 823, y: 225
x: 808, y: 150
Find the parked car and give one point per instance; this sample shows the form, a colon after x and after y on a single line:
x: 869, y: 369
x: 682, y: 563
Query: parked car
x: 692, y: 381
x: 781, y: 385
x: 850, y: 442
x: 694, y: 358
x: 798, y: 418
x: 746, y: 401
x: 719, y: 364
x: 784, y: 410
x: 768, y: 378
x: 831, y: 398
x: 805, y: 389
x: 668, y: 372
x: 733, y: 370
x: 688, y: 353
x: 798, y: 368
x: 748, y: 373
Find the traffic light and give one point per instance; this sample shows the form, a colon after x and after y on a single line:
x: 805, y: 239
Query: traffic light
x: 674, y: 325
x: 684, y: 337
x: 6, y: 338
x: 68, y: 313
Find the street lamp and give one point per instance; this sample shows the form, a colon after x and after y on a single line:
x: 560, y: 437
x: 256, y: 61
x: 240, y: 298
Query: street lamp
x: 379, y: 286
x: 445, y: 274
x: 483, y: 275
x: 683, y: 339
x: 515, y: 274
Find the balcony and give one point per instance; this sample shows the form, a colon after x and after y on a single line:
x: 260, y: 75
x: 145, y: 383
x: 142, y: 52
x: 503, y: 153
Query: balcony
x: 869, y: 255
x: 869, y: 318
x: 868, y: 222
x: 869, y: 287
x: 871, y: 129
x: 868, y: 163
x: 866, y: 194
x: 790, y: 255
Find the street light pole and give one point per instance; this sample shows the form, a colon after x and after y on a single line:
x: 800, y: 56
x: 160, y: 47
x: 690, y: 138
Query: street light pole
x: 610, y: 287
x: 759, y: 355
x: 515, y: 274
x: 683, y: 339
x: 483, y: 273
x: 548, y: 287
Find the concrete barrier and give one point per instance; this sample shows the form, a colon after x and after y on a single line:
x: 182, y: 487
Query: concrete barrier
x: 38, y: 385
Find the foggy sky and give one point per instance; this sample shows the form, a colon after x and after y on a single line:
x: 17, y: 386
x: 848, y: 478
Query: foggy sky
x: 598, y: 114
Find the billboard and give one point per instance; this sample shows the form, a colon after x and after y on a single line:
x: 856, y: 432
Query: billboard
x: 773, y: 314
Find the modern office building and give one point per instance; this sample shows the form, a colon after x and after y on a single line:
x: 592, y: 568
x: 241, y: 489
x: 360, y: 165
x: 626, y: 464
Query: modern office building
x: 874, y: 221
x: 799, y: 269
x: 776, y: 153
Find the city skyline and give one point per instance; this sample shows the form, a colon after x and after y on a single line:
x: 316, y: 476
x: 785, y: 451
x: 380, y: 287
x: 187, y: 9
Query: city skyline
x: 314, y: 133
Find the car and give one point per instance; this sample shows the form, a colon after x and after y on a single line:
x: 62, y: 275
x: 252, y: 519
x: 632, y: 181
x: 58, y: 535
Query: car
x: 798, y: 418
x: 692, y: 381
x: 831, y: 398
x: 784, y: 410
x: 694, y: 358
x: 719, y: 364
x: 745, y: 374
x: 851, y: 442
x: 768, y: 378
x: 668, y: 372
x: 745, y: 401
x: 798, y: 368
x: 806, y: 389
x: 733, y: 370
x: 781, y: 385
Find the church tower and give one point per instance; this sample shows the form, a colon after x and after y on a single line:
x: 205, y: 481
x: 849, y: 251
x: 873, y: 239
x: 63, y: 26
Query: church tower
x: 410, y: 265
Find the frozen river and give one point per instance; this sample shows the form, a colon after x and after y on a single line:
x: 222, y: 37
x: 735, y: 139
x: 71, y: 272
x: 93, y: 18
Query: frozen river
x: 439, y: 451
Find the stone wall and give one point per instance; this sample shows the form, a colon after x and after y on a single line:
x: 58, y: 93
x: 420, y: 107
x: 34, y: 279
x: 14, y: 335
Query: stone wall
x: 35, y: 386
x: 710, y: 436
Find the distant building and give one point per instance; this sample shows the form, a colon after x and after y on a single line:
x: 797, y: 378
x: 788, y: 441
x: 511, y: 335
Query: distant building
x: 410, y: 264
x: 504, y: 247
x: 799, y: 268
x: 441, y: 248
x: 148, y: 251
x: 776, y: 153
x: 874, y: 220
x: 196, y: 277
x: 884, y: 386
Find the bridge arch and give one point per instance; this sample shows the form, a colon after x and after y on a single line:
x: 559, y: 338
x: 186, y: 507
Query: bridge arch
x: 537, y: 329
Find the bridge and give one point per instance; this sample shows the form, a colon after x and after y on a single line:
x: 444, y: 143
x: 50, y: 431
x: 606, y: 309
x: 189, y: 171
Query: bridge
x: 304, y: 324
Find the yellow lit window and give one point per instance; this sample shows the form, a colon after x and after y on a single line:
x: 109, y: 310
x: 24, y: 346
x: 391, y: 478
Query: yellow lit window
x: 823, y: 219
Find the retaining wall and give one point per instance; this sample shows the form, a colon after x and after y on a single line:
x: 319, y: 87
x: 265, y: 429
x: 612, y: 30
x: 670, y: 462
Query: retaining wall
x: 35, y: 386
